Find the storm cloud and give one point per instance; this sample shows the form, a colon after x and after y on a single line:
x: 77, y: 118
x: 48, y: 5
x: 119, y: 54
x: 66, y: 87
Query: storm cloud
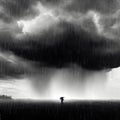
x: 75, y: 33
x: 72, y: 46
x: 58, y: 38
x: 50, y: 41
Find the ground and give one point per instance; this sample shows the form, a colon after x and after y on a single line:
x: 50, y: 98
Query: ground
x: 52, y: 110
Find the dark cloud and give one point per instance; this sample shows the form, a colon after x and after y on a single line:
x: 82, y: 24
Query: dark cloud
x: 5, y: 18
x: 65, y: 42
x: 23, y: 8
x: 14, y: 67
x: 15, y: 9
x: 104, y: 6
x: 10, y: 70
x: 72, y: 46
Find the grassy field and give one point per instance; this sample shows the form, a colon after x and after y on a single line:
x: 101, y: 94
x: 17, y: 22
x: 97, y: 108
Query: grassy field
x: 74, y: 110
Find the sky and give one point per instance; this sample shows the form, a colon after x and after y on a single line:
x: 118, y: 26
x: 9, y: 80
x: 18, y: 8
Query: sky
x: 54, y: 48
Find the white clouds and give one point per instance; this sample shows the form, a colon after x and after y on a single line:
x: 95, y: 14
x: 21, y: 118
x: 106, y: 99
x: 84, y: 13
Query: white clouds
x: 51, y: 17
x: 18, y: 89
x: 96, y: 19
x: 40, y: 23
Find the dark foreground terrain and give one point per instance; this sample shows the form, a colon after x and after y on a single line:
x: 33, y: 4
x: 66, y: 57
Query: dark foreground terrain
x: 87, y: 110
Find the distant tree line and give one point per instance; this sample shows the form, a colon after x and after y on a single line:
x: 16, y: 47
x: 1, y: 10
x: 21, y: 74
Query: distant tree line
x: 5, y: 97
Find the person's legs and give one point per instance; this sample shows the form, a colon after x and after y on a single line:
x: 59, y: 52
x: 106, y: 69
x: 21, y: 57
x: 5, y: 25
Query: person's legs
x: 61, y: 101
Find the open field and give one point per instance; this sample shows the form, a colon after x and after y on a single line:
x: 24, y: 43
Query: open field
x: 74, y: 110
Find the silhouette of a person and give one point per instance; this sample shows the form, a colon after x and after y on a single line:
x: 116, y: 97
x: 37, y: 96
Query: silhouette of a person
x: 62, y: 100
